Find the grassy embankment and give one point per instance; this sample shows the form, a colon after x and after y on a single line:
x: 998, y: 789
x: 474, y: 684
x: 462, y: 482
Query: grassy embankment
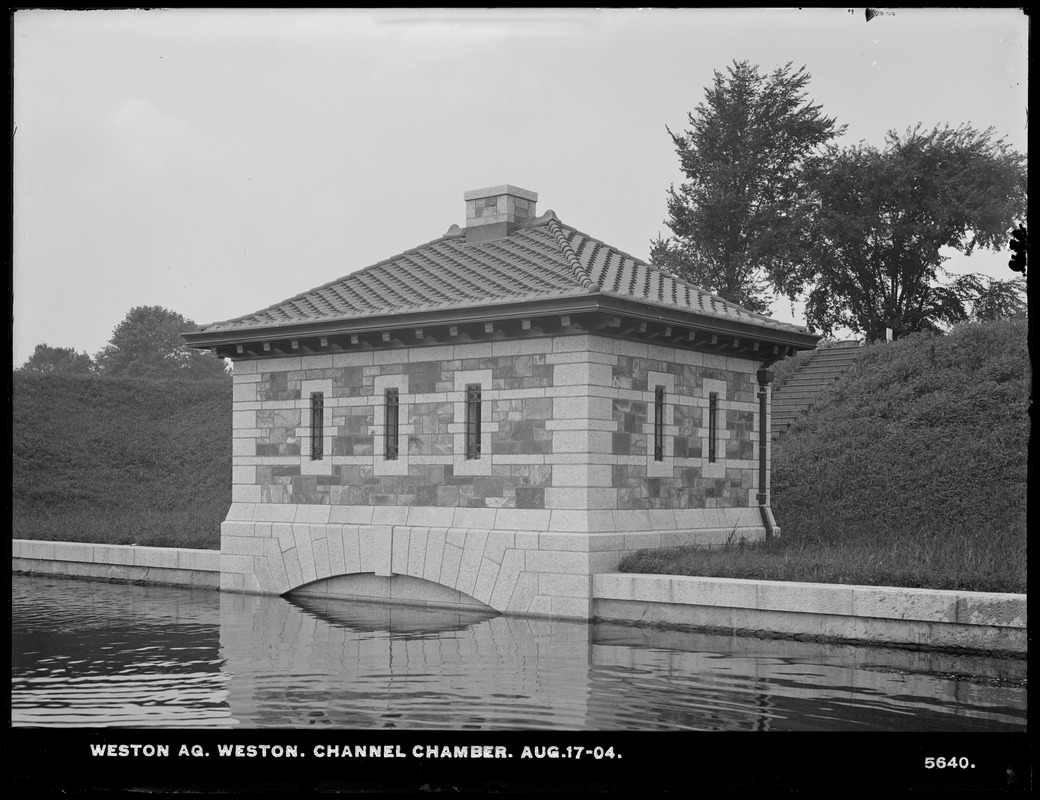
x: 120, y: 461
x: 911, y: 471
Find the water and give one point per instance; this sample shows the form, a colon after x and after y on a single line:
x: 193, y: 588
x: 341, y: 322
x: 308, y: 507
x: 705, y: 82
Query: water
x: 92, y: 654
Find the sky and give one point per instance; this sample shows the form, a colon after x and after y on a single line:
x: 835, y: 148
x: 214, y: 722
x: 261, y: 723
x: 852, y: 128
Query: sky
x: 217, y: 162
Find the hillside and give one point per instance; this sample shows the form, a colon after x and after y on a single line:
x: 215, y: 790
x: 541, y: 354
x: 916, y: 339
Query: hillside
x: 910, y: 470
x: 120, y: 460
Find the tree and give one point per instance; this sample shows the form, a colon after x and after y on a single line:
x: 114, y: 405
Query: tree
x: 886, y: 214
x: 148, y: 344
x: 999, y: 300
x: 742, y: 222
x: 53, y: 360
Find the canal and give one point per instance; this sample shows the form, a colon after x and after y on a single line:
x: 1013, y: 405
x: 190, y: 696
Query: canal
x: 104, y: 655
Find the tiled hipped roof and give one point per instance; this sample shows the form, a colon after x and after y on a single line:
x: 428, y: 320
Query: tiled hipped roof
x: 542, y: 259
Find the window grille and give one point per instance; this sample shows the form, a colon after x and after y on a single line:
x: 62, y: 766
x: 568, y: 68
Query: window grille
x: 317, y: 426
x: 659, y: 424
x: 392, y: 424
x: 473, y: 421
x: 713, y: 424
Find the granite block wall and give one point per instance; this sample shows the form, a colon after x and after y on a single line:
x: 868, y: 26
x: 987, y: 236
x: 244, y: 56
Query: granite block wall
x: 685, y: 476
x: 567, y: 422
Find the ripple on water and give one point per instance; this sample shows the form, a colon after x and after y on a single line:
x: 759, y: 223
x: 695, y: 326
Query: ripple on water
x: 98, y: 654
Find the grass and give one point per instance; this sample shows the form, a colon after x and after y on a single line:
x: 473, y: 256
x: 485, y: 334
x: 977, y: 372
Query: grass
x: 911, y: 472
x: 120, y: 461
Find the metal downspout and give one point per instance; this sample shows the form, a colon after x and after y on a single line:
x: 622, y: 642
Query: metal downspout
x: 765, y: 376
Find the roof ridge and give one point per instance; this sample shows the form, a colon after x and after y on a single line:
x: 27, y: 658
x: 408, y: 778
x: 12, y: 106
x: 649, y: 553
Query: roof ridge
x: 579, y: 272
x: 664, y: 271
x: 709, y: 296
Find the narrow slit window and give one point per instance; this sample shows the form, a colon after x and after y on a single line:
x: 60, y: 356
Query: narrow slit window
x: 473, y: 421
x: 392, y: 425
x: 317, y: 426
x: 713, y: 424
x: 659, y: 423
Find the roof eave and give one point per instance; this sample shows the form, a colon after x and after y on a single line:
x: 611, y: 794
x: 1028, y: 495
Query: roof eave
x: 569, y: 304
x: 579, y: 303
x: 710, y: 323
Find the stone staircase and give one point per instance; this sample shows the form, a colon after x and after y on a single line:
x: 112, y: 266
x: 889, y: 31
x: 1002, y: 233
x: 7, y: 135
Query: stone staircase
x: 794, y: 397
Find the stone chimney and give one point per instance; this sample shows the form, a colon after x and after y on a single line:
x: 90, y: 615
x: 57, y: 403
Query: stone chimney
x: 494, y: 212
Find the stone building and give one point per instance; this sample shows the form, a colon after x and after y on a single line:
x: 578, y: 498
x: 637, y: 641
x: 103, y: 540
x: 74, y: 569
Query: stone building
x: 491, y: 418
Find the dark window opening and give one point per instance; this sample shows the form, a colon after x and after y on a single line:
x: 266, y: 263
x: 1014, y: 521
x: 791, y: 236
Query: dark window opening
x: 713, y: 424
x: 473, y: 421
x: 392, y: 424
x: 659, y: 424
x: 317, y: 426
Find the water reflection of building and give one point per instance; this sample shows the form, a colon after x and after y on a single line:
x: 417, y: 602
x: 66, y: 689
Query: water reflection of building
x: 367, y: 666
x: 371, y: 665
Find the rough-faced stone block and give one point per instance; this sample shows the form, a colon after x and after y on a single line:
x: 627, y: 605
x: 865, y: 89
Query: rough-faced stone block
x: 801, y: 597
x: 351, y: 515
x: 599, y: 542
x: 522, y: 519
x: 540, y: 606
x: 487, y: 576
x: 530, y: 497
x: 199, y: 560
x: 305, y: 552
x: 451, y: 561
x: 570, y: 607
x: 567, y: 562
x: 992, y: 609
x: 471, y: 558
x: 417, y: 542
x: 891, y: 603
x: 113, y: 554
x: 389, y: 515
x: 523, y: 593
x: 334, y: 537
x: 351, y: 549
x: 240, y: 545
x: 322, y: 559
x: 375, y: 546
x: 497, y: 543
x: 575, y: 542
x: 566, y: 498
x: 274, y: 512
x: 506, y: 581
x: 558, y: 585
x: 435, y: 541
x: 399, y: 550
x: 313, y: 513
x: 473, y: 518
x: 67, y: 551
x: 236, y: 529
x: 160, y: 557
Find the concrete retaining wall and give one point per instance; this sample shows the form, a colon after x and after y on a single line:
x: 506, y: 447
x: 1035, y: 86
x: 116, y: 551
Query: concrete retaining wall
x: 160, y: 565
x: 916, y: 617
x: 926, y: 618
